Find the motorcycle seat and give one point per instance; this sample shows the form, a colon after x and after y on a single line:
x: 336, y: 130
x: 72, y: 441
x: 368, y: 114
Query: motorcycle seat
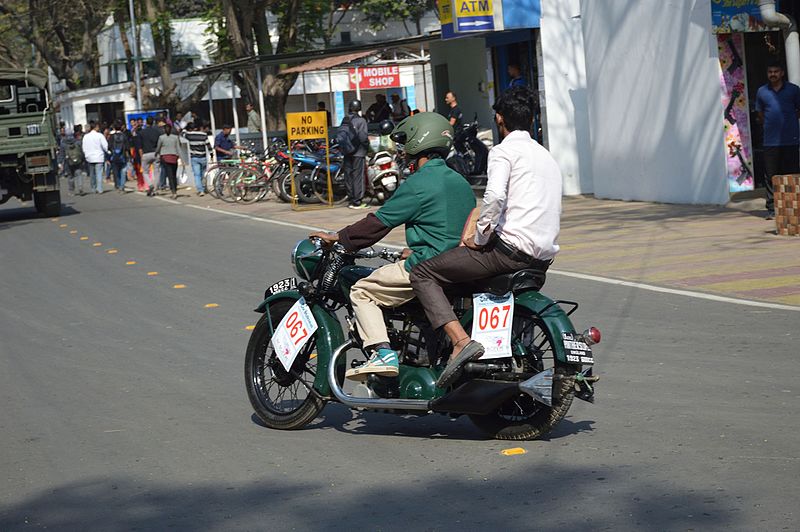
x: 518, y: 281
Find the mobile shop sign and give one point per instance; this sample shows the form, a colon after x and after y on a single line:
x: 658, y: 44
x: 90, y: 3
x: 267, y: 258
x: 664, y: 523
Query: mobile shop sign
x: 734, y: 16
x: 375, y: 77
x: 473, y: 15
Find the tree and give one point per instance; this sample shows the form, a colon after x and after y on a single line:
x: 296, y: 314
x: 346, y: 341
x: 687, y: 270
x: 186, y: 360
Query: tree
x: 66, y: 39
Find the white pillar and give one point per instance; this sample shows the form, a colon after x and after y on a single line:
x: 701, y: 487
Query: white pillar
x: 211, y: 105
x: 262, y: 109
x: 235, y: 114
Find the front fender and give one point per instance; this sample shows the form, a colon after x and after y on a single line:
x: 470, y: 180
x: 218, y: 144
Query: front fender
x: 553, y: 316
x: 329, y: 336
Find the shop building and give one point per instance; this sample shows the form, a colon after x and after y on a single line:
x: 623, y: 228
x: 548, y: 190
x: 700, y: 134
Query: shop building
x: 633, y: 95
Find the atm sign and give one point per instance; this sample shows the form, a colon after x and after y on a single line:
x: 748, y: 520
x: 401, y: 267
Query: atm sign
x: 473, y: 8
x: 375, y: 77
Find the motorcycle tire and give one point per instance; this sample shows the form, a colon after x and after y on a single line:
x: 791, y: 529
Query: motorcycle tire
x: 522, y: 418
x: 263, y: 373
x: 275, y: 182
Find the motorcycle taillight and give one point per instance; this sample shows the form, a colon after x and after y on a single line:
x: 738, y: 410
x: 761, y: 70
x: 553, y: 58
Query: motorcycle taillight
x: 385, y: 166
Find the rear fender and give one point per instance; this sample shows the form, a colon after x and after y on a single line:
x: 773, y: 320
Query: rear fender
x: 329, y: 336
x: 553, y: 316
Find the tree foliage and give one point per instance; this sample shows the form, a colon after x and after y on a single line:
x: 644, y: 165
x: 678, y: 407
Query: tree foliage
x: 65, y: 39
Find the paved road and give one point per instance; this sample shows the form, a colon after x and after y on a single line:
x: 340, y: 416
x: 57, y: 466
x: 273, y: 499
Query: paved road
x: 124, y: 406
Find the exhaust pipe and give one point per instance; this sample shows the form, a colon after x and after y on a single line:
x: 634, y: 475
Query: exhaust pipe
x: 367, y: 402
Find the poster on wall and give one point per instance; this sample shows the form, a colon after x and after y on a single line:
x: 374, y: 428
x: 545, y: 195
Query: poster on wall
x: 732, y: 16
x: 736, y: 118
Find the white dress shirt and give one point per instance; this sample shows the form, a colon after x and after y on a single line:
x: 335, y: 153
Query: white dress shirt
x: 522, y: 202
x: 95, y: 147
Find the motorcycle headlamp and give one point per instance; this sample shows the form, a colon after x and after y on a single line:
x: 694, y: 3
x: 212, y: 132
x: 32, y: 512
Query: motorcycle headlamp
x: 305, y: 258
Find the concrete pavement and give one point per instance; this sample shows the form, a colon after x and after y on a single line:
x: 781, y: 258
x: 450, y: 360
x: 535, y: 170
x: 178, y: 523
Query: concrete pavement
x: 728, y: 251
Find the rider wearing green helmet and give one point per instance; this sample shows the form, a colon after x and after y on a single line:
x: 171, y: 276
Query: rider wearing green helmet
x: 433, y: 203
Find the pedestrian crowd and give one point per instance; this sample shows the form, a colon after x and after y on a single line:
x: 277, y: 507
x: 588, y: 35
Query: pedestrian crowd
x: 148, y: 151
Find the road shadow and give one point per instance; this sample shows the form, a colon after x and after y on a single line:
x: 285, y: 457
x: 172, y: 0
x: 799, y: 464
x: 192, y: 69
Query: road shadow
x: 545, y: 497
x: 338, y: 417
x: 18, y: 216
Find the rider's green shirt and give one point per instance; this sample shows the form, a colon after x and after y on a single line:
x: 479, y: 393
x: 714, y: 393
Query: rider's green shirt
x: 434, y: 203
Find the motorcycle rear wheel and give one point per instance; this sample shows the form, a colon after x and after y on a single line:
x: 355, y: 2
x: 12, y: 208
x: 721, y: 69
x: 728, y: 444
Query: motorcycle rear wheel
x: 279, y: 399
x: 522, y: 418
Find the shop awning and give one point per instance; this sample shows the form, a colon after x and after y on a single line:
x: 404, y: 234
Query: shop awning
x: 328, y: 62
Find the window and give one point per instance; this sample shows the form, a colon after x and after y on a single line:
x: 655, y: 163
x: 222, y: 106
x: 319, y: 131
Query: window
x: 6, y: 93
x: 345, y: 35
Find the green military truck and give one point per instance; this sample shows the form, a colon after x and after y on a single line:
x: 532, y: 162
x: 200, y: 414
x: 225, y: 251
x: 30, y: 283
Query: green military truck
x: 28, y: 141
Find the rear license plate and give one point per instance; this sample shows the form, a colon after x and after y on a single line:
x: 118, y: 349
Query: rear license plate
x: 576, y: 350
x: 290, y: 283
x: 389, y: 180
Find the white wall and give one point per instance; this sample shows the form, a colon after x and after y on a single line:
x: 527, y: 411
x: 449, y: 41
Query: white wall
x: 565, y: 108
x: 654, y: 103
x: 466, y: 68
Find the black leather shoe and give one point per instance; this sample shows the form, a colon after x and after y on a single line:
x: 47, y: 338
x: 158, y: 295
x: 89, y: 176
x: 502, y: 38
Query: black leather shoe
x: 472, y: 351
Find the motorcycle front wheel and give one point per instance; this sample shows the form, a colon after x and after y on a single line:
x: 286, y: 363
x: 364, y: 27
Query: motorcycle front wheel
x: 281, y: 399
x: 522, y: 418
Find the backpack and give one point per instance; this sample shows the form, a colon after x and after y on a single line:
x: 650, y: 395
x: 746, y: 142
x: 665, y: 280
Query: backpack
x: 74, y: 153
x: 118, y: 148
x: 347, y: 138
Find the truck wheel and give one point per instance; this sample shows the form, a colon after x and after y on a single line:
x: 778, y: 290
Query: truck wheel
x: 48, y: 203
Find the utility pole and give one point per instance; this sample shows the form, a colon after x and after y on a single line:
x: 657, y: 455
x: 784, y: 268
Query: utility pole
x: 136, y: 74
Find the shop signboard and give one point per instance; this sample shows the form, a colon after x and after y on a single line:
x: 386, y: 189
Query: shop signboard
x: 446, y: 18
x: 736, y: 16
x: 382, y: 77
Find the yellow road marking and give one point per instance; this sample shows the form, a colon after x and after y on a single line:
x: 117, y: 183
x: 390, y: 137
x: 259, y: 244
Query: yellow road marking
x: 249, y: 327
x: 53, y: 219
x: 131, y: 262
x: 112, y: 251
x: 97, y: 244
x: 513, y: 451
x: 63, y: 225
x: 73, y: 232
x: 84, y: 238
x: 179, y: 286
x: 152, y: 273
x: 212, y: 305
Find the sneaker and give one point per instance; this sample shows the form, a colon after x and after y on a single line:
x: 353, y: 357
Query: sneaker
x: 384, y: 362
x: 359, y: 207
x: 201, y: 193
x: 770, y: 215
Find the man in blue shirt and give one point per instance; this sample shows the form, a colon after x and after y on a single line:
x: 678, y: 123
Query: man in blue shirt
x: 778, y: 106
x: 223, y: 144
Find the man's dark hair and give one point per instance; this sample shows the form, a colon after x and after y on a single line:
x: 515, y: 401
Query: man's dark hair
x: 454, y: 94
x: 516, y: 106
x: 227, y: 126
x: 149, y: 120
x: 320, y: 105
x: 774, y: 63
x: 190, y: 126
x: 118, y: 124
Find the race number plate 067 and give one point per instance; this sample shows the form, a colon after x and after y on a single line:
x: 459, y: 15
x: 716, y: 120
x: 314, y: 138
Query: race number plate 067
x: 491, y: 323
x: 292, y: 333
x: 576, y: 349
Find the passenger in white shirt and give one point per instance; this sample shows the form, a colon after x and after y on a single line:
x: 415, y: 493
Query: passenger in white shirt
x: 517, y: 228
x: 95, y: 147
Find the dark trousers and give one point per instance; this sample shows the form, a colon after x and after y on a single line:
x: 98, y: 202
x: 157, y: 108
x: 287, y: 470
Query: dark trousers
x: 172, y: 175
x: 779, y: 160
x: 354, y: 178
x: 432, y: 277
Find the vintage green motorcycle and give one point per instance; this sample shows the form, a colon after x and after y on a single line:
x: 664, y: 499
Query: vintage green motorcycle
x: 296, y: 356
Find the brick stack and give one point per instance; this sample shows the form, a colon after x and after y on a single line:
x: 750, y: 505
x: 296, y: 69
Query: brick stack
x: 787, y: 203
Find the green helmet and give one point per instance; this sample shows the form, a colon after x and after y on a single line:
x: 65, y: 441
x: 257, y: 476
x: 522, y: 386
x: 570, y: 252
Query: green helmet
x: 424, y: 132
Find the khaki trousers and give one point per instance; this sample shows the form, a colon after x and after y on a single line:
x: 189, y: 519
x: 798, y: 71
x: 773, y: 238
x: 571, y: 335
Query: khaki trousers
x: 388, y: 286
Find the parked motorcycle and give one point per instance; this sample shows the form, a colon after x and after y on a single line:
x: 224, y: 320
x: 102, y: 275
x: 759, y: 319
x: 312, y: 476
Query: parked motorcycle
x: 469, y: 155
x: 296, y: 356
x: 383, y: 176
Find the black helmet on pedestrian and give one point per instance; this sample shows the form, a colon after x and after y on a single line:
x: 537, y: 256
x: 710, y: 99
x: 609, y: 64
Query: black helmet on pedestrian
x: 355, y: 106
x: 386, y: 127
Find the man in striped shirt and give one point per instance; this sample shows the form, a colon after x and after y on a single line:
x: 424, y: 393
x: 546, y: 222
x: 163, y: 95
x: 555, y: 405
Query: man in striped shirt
x: 199, y: 147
